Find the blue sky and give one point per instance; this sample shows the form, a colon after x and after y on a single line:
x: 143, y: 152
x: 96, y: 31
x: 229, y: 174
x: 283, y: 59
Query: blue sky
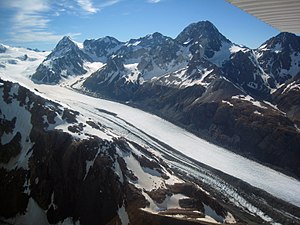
x: 42, y: 23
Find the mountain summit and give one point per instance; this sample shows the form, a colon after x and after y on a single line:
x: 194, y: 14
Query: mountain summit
x: 202, y: 36
x: 102, y: 48
x: 65, y: 60
x: 280, y: 57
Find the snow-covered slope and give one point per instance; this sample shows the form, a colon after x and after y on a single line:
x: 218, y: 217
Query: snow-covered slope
x: 20, y: 61
x: 156, y: 154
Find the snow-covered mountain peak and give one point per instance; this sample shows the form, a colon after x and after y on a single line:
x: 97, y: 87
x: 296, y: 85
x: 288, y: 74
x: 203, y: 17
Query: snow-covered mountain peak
x: 64, y: 46
x: 109, y: 40
x: 67, y: 59
x: 64, y: 42
x: 201, y: 31
x: 149, y: 41
x: 280, y: 56
x: 155, y: 35
x: 282, y: 42
x: 202, y: 37
x: 66, y: 39
x: 102, y: 48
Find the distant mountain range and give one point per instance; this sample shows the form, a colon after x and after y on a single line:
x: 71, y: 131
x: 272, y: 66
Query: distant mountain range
x: 245, y: 99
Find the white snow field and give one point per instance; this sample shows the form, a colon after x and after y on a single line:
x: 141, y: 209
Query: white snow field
x: 143, y: 126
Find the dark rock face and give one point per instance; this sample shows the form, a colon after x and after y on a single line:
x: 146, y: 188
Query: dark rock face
x: 279, y: 56
x: 243, y: 70
x: 11, y: 149
x: 261, y: 133
x: 92, y: 196
x: 287, y: 99
x: 13, y: 198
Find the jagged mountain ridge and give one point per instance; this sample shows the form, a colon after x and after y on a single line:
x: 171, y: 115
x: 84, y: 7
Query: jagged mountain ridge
x: 200, y: 75
x: 102, y: 48
x: 156, y: 55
